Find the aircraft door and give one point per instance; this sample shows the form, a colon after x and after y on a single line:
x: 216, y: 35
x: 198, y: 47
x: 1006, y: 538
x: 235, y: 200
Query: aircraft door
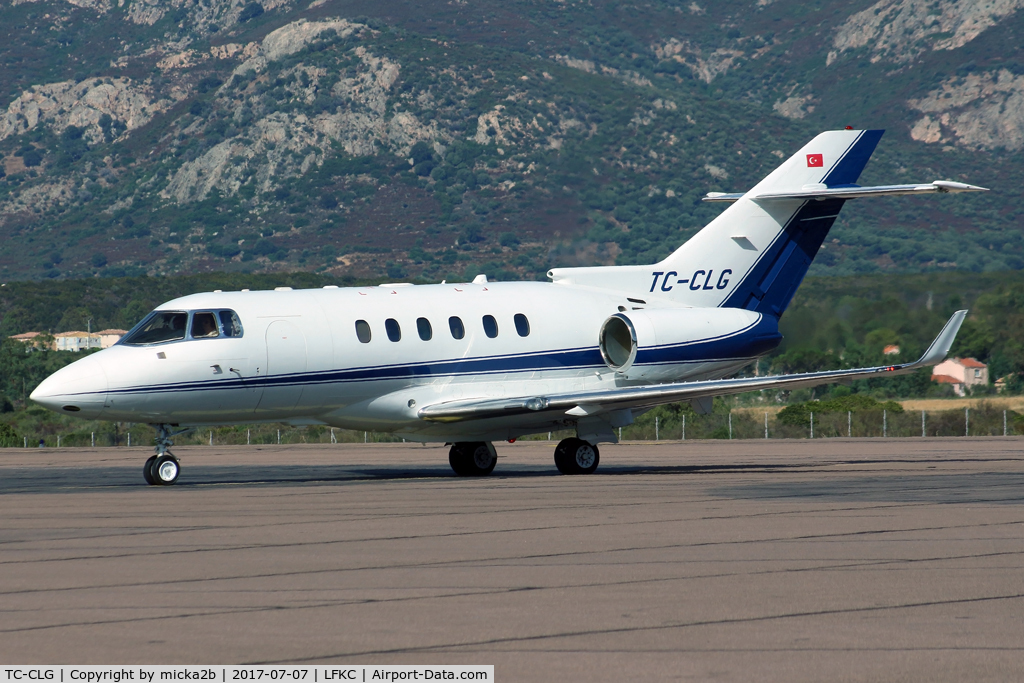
x: 286, y: 360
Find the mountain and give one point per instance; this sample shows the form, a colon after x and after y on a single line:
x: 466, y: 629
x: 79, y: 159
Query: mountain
x: 433, y: 140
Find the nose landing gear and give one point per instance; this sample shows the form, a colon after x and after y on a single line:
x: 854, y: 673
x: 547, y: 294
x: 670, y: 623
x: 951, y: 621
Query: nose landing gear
x: 163, y: 468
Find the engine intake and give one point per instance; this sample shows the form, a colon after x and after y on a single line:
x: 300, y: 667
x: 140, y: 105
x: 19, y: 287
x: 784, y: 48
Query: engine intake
x: 618, y: 342
x: 658, y: 344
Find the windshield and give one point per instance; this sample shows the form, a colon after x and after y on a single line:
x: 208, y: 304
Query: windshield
x: 162, y: 326
x: 168, y: 326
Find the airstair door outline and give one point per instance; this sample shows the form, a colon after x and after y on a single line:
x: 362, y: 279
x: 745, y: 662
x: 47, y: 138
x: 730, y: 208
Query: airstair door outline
x: 286, y: 361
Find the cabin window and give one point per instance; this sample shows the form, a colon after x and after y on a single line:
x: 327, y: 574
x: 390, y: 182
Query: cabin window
x: 490, y: 326
x: 230, y: 324
x: 423, y: 327
x: 160, y: 327
x: 393, y: 329
x: 363, y: 331
x: 522, y: 325
x: 204, y: 325
x: 456, y: 326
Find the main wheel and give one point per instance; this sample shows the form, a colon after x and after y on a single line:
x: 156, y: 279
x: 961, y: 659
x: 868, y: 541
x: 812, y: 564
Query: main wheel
x: 458, y: 460
x: 472, y: 458
x: 575, y: 456
x: 147, y: 471
x: 165, y: 470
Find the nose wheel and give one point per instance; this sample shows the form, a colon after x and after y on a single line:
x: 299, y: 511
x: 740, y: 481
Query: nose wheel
x: 576, y: 456
x: 163, y: 468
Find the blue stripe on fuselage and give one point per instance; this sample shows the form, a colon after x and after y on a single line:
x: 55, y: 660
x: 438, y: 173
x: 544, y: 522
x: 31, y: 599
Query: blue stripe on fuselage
x: 757, y: 338
x: 754, y: 340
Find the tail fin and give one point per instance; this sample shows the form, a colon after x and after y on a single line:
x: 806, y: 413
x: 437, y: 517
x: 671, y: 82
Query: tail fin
x: 756, y: 253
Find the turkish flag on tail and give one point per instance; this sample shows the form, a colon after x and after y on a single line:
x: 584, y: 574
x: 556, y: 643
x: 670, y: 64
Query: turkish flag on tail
x: 815, y: 161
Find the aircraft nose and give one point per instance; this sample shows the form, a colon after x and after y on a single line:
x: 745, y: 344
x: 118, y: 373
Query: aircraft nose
x: 79, y: 389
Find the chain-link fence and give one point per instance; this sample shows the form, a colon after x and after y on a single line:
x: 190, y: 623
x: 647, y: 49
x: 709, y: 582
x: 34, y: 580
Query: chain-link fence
x: 261, y: 434
x: 743, y: 423
x: 748, y: 423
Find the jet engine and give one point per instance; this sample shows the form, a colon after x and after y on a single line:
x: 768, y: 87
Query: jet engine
x: 659, y: 344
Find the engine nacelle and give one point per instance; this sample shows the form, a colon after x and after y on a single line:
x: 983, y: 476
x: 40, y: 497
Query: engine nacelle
x: 664, y: 343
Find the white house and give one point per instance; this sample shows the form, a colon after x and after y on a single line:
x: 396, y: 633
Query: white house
x: 110, y: 337
x: 33, y: 340
x: 76, y: 341
x: 71, y: 341
x: 962, y: 373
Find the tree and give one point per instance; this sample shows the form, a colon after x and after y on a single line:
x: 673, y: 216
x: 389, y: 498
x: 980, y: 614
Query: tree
x: 509, y: 239
x: 8, y: 437
x: 32, y: 158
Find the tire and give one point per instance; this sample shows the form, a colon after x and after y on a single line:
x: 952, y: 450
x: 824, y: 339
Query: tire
x: 575, y: 456
x: 165, y: 470
x: 147, y: 471
x: 562, y: 460
x: 472, y: 458
x: 483, y: 457
x: 457, y: 460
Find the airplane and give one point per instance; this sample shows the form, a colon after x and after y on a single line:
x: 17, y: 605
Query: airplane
x: 476, y: 362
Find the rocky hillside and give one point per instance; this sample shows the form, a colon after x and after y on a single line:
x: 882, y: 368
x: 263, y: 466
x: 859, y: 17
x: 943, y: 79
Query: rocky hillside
x: 437, y: 140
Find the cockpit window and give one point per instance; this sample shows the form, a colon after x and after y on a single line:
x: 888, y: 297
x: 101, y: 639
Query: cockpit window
x: 167, y: 326
x: 204, y: 325
x: 230, y: 324
x: 162, y: 326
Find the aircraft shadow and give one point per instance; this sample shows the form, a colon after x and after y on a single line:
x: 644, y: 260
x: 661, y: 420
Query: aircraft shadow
x: 813, y: 484
x: 70, y: 480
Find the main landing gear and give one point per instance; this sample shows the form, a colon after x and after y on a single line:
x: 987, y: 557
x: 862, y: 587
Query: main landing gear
x: 472, y: 458
x: 576, y: 456
x: 478, y: 458
x: 163, y: 468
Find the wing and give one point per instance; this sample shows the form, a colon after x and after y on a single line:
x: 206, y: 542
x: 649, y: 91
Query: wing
x: 822, y: 191
x: 584, y: 403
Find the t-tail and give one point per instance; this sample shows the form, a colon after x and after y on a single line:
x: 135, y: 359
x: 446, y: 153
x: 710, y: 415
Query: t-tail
x: 756, y: 253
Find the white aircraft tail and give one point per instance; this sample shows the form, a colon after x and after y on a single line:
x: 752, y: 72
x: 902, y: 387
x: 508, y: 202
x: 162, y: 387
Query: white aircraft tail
x: 756, y: 253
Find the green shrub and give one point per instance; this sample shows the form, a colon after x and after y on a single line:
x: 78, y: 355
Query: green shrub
x: 8, y: 437
x: 32, y: 158
x: 800, y: 413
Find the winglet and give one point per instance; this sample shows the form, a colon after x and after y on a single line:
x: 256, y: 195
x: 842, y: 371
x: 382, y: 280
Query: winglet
x: 950, y: 186
x: 940, y: 347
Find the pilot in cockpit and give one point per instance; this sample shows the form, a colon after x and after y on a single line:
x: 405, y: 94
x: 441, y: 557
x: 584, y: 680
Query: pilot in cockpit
x: 204, y: 325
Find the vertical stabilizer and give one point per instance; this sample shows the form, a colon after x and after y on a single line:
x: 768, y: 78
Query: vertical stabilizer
x: 757, y: 252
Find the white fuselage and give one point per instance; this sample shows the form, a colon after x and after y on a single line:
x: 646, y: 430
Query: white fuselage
x: 299, y: 359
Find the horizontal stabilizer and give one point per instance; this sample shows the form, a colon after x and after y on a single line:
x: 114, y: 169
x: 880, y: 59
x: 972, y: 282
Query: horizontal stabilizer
x: 821, y: 191
x: 722, y: 196
x: 585, y: 403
